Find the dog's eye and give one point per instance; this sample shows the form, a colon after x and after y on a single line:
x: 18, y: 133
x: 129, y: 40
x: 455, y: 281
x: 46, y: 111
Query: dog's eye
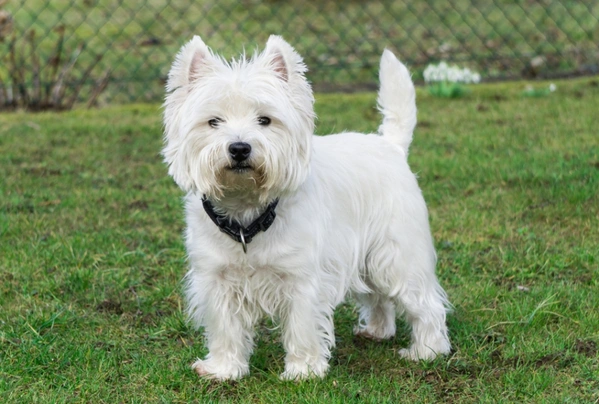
x: 264, y: 121
x: 214, y: 122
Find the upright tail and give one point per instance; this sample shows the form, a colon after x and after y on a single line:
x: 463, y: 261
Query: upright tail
x: 397, y: 101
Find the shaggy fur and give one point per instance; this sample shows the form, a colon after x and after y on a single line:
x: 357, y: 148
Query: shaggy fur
x: 350, y: 219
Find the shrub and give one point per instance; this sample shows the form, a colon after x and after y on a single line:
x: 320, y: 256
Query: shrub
x: 37, y: 86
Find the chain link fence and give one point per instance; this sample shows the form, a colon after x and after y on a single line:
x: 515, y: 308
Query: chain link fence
x: 120, y: 51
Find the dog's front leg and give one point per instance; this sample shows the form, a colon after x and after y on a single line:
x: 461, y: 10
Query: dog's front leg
x: 307, y: 333
x: 228, y: 327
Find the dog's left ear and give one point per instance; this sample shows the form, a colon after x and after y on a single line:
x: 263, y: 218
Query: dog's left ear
x: 285, y: 62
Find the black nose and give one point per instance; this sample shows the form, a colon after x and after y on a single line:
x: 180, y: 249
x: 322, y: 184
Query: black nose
x: 240, y: 151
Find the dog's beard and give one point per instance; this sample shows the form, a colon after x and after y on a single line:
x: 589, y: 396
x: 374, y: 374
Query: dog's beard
x: 221, y: 177
x: 272, y: 170
x: 240, y: 178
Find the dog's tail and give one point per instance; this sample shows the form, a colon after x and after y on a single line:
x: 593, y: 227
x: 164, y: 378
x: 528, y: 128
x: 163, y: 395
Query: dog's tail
x: 397, y: 101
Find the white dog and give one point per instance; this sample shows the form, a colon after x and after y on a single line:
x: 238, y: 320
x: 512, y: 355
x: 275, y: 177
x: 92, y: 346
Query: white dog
x: 350, y: 217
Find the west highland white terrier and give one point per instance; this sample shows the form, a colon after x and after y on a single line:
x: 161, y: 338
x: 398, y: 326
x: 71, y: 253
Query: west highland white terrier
x: 286, y: 224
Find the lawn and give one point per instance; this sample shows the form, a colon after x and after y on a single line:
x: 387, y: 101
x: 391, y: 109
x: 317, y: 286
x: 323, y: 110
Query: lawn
x: 91, y: 259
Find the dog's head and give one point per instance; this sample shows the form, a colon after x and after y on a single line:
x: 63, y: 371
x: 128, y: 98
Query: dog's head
x: 239, y: 127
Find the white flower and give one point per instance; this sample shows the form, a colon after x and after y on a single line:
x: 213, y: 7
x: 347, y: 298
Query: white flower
x: 552, y: 87
x: 444, y: 72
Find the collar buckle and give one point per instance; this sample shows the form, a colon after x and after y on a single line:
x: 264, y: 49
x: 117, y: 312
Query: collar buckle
x: 243, y: 243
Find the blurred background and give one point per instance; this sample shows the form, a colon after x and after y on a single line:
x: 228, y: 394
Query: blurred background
x: 57, y: 53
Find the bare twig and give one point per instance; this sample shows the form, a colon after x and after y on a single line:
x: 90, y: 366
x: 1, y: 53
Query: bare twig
x: 81, y: 82
x: 59, y: 88
x: 3, y: 95
x: 35, y: 97
x: 54, y: 63
x: 4, y: 101
x: 6, y: 23
x: 18, y: 81
x: 99, y: 88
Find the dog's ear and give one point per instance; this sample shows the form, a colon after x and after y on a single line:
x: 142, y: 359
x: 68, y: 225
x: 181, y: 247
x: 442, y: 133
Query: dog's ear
x: 283, y: 59
x: 193, y: 60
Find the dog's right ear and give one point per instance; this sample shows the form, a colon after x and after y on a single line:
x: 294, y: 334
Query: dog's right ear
x: 193, y: 60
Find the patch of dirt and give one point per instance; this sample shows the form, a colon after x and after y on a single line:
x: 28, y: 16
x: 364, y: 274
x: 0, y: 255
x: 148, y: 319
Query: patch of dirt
x: 558, y: 360
x: 585, y: 279
x: 227, y: 390
x: 451, y: 381
x: 150, y: 275
x: 139, y: 204
x: 25, y: 207
x: 53, y: 202
x: 42, y: 171
x: 504, y: 281
x: 587, y: 348
x: 496, y: 356
x: 106, y: 346
x: 549, y: 359
x: 108, y: 306
x: 362, y: 343
x: 492, y: 338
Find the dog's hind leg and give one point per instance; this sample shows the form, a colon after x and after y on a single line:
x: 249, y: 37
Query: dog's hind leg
x: 377, y: 316
x: 407, y: 276
x: 425, y: 310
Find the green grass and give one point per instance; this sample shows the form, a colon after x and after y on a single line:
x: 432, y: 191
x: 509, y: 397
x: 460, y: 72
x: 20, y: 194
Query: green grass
x: 91, y: 258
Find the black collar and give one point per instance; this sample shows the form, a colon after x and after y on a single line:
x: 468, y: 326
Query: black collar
x: 234, y: 229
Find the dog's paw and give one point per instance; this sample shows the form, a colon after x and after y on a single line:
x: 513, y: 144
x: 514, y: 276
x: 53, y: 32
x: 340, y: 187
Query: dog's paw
x: 376, y: 334
x: 211, y: 369
x: 426, y: 353
x: 301, y: 370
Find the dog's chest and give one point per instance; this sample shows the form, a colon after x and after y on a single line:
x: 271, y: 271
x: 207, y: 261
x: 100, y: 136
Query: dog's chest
x: 244, y: 274
x: 265, y: 288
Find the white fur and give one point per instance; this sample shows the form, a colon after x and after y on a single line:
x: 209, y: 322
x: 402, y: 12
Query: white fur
x: 351, y: 218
